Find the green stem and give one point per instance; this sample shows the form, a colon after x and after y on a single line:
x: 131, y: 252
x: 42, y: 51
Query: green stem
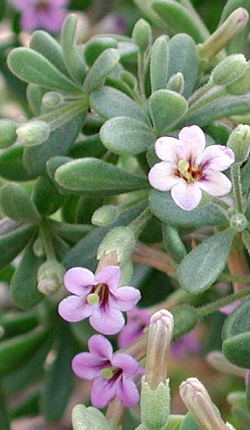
x: 204, y: 311
x: 46, y: 236
x: 139, y: 223
x: 235, y: 177
x: 226, y: 277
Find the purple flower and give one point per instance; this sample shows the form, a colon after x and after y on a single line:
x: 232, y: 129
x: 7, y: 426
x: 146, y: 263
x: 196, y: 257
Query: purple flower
x: 188, y: 168
x: 184, y: 345
x: 46, y: 14
x: 137, y: 320
x: 97, y: 297
x: 111, y: 373
x: 228, y: 309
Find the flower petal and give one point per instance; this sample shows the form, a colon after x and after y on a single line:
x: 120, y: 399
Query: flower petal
x: 217, y: 157
x: 77, y: 279
x: 193, y: 140
x: 186, y: 195
x: 102, y: 392
x: 127, y: 392
x: 162, y: 176
x: 88, y: 366
x: 125, y: 298
x: 74, y: 309
x: 215, y: 184
x: 101, y: 346
x: 169, y: 149
x: 109, y: 275
x: 125, y: 362
x: 109, y: 321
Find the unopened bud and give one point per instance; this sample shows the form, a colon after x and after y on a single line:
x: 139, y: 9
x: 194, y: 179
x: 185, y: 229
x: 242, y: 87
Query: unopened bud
x: 200, y: 405
x: 229, y: 70
x: 238, y: 222
x: 239, y: 142
x: 105, y: 215
x: 155, y: 394
x: 7, y: 132
x: 51, y: 100
x: 226, y: 32
x: 240, y: 86
x: 142, y: 35
x: 50, y: 277
x: 38, y: 247
x: 120, y: 240
x: 176, y: 83
x: 33, y: 132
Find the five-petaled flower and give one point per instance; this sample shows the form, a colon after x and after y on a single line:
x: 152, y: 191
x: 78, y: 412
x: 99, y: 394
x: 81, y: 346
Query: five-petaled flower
x: 188, y: 168
x: 111, y: 373
x: 46, y: 14
x: 97, y: 297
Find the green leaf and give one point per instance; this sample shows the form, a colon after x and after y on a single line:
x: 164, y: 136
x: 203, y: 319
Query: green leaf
x: 11, y: 165
x: 202, y: 266
x: 46, y: 196
x: 16, y: 204
x: 219, y: 108
x: 18, y: 322
x: 14, y: 351
x: 189, y: 423
x: 123, y: 135
x: 166, y: 107
x: 58, y: 381
x: 186, y: 62
x: 58, y: 143
x: 23, y: 286
x: 34, y: 94
x: 4, y: 416
x: 46, y: 45
x: 236, y: 336
x: 12, y: 242
x: 178, y: 17
x: 109, y: 102
x: 159, y: 64
x: 102, y: 67
x: 96, y: 177
x: 242, y: 416
x: 32, y: 67
x: 164, y: 208
x: 96, y: 45
x: 71, y: 55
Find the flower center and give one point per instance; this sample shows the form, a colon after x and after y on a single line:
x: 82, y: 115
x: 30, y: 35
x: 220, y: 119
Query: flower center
x: 188, y: 172
x: 42, y: 5
x: 99, y: 293
x: 107, y: 373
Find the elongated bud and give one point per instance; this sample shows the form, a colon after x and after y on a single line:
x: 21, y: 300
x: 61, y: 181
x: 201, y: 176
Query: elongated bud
x: 105, y: 215
x: 120, y: 240
x: 229, y: 70
x: 7, y: 132
x: 200, y: 405
x: 226, y: 32
x: 239, y: 142
x: 33, y: 133
x: 176, y: 83
x: 155, y: 394
x: 50, y: 277
x: 89, y: 418
x: 142, y: 35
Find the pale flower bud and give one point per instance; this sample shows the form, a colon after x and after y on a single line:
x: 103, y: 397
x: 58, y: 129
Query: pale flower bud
x: 50, y: 277
x: 229, y: 70
x: 200, y: 405
x: 33, y: 132
x: 239, y: 142
x: 105, y: 215
x: 120, y: 240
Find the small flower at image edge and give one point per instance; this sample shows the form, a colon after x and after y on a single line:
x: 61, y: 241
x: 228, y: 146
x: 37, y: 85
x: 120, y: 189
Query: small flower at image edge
x: 111, y: 373
x: 46, y: 14
x: 97, y: 297
x: 188, y: 167
x: 137, y: 320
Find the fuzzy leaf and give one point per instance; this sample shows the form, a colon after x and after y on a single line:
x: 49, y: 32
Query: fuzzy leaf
x: 102, y: 67
x: 123, y: 135
x: 16, y: 204
x: 11, y: 165
x: 13, y: 242
x: 159, y: 64
x: 202, y: 266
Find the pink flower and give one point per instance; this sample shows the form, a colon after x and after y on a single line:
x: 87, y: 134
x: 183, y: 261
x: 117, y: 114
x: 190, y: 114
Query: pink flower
x: 111, y: 373
x: 97, y: 297
x: 188, y: 168
x: 228, y: 309
x: 46, y: 14
x: 137, y: 320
